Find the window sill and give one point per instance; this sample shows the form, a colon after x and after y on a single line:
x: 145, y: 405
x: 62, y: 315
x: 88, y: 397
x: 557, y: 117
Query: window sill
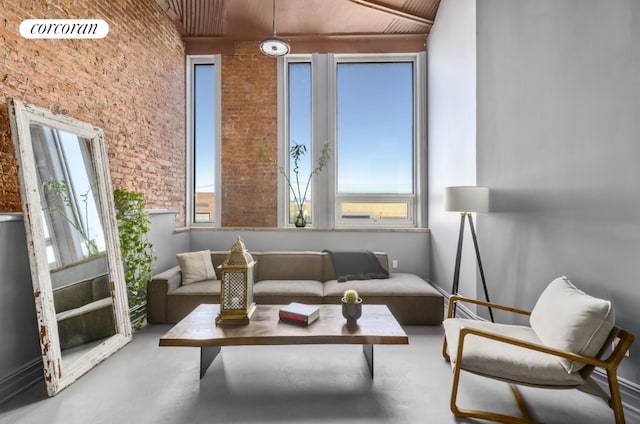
x: 307, y: 229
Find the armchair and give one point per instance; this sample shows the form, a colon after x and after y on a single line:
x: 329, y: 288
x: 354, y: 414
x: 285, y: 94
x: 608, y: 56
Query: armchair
x: 568, y: 336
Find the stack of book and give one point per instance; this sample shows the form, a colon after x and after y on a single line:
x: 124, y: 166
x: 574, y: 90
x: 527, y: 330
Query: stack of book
x: 299, y: 313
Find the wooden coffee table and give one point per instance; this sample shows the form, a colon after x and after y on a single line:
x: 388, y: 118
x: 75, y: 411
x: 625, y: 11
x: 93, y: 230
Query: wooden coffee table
x: 198, y: 329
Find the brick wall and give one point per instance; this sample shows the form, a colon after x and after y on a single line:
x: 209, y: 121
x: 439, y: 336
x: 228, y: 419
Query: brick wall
x: 249, y: 113
x: 130, y: 83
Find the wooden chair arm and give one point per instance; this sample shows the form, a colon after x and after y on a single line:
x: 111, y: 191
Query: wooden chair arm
x: 625, y: 339
x: 457, y: 298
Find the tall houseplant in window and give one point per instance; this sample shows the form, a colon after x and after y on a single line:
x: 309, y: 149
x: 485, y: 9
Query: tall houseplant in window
x: 137, y: 252
x: 299, y: 194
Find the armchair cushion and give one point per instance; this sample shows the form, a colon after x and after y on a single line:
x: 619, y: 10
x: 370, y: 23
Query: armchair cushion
x: 504, y: 361
x: 566, y: 318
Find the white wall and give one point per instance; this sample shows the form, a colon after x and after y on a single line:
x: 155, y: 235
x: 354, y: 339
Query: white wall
x: 452, y: 135
x: 409, y: 247
x: 20, y: 359
x: 557, y: 140
x: 165, y: 240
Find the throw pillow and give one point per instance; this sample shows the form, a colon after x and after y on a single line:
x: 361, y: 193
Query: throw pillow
x: 196, y: 266
x: 356, y: 265
x: 566, y: 318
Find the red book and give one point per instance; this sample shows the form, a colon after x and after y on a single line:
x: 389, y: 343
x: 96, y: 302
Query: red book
x: 299, y: 312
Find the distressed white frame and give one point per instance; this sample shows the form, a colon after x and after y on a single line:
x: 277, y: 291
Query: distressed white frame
x: 57, y: 376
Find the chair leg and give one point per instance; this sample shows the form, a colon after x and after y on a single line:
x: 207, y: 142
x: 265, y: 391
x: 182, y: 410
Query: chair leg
x: 615, y: 401
x: 454, y: 391
x: 486, y: 415
x: 445, y: 355
x: 520, y: 401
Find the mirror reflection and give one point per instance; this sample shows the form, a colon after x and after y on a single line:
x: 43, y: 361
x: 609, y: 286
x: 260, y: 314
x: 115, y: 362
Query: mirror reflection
x: 74, y: 239
x: 76, y: 266
x: 69, y: 205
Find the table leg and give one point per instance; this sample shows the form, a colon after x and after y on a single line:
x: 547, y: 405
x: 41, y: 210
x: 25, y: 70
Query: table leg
x: 207, y: 355
x: 368, y: 353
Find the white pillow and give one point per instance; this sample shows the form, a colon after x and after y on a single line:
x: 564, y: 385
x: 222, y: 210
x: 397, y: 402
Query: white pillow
x: 196, y: 266
x: 566, y: 318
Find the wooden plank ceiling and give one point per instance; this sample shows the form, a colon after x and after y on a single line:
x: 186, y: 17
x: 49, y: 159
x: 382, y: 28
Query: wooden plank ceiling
x: 308, y: 25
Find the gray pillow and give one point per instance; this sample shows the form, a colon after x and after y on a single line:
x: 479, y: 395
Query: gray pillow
x: 196, y: 266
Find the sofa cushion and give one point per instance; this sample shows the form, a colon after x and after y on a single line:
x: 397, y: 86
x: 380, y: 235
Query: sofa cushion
x: 290, y: 266
x: 398, y: 284
x: 199, y: 287
x: 196, y: 266
x: 283, y: 292
x: 566, y: 318
x: 288, y: 287
x: 411, y: 300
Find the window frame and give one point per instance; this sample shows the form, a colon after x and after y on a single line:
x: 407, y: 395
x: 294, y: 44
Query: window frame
x: 327, y: 200
x: 191, y: 62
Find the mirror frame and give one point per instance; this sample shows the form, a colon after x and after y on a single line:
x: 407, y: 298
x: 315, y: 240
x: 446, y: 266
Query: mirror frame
x: 57, y: 377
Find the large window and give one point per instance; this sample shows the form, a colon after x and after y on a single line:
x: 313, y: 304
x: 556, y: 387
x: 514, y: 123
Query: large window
x: 204, y: 147
x: 369, y: 108
x: 299, y: 119
x: 375, y: 141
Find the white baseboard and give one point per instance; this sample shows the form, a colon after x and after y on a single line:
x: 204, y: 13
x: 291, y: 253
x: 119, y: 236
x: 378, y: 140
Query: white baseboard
x: 629, y: 391
x: 21, y: 379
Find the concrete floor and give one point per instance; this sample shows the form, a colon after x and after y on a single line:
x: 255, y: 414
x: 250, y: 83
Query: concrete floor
x: 145, y: 383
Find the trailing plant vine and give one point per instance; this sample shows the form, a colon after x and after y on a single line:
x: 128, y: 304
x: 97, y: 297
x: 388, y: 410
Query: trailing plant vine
x: 137, y: 251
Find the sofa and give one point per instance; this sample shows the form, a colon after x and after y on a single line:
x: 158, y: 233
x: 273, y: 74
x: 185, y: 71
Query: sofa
x: 301, y: 276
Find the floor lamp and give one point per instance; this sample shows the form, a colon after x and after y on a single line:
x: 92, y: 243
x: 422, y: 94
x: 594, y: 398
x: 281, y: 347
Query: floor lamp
x: 467, y: 199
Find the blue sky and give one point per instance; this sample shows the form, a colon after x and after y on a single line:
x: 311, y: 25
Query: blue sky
x: 204, y: 128
x: 80, y: 184
x: 375, y: 127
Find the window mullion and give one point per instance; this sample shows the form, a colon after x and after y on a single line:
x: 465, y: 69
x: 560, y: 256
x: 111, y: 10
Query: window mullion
x: 321, y: 130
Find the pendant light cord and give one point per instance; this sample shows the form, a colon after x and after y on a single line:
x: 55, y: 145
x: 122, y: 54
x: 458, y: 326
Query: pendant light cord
x: 273, y: 18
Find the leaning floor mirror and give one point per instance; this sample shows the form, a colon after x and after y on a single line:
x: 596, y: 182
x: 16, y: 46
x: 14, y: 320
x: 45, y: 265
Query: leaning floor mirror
x: 72, y: 238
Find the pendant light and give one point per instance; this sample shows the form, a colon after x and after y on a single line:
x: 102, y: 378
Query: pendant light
x: 274, y: 46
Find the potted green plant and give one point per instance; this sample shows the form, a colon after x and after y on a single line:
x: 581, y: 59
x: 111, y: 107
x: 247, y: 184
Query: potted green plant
x: 137, y: 251
x: 296, y: 152
x: 351, y: 305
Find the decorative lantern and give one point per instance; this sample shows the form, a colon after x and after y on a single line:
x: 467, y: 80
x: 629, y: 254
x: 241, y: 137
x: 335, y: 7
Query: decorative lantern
x: 236, y: 286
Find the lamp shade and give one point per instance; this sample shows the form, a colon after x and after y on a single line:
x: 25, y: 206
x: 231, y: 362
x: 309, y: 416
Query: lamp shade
x: 466, y: 199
